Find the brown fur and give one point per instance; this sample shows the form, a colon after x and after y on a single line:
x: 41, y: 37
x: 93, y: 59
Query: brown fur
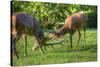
x: 73, y: 23
x: 24, y: 24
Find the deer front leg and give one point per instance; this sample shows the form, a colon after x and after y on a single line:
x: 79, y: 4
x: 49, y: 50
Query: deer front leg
x: 25, y: 44
x: 37, y: 44
x: 79, y: 36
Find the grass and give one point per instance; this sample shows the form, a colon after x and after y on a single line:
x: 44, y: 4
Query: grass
x: 57, y: 55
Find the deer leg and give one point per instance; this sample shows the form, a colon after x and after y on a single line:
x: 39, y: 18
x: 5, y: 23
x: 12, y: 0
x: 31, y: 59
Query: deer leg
x: 11, y: 51
x: 18, y: 36
x: 39, y: 44
x: 14, y: 48
x: 71, y: 35
x: 25, y: 44
x: 45, y: 46
x: 35, y: 46
x: 84, y: 33
x: 79, y: 36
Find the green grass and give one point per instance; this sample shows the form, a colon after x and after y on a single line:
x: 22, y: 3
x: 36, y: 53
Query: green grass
x: 84, y: 53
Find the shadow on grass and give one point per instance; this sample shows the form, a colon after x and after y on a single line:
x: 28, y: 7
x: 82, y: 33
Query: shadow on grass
x: 92, y: 47
x: 77, y: 49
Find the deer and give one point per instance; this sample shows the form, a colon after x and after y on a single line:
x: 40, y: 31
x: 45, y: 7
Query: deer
x: 23, y: 24
x: 72, y: 24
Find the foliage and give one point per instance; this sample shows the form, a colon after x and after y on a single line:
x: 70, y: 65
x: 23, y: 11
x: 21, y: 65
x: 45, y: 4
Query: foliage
x: 92, y: 23
x: 51, y: 14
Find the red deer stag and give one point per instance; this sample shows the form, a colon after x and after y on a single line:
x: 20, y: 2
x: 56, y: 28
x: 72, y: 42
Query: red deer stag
x: 24, y: 24
x: 73, y: 23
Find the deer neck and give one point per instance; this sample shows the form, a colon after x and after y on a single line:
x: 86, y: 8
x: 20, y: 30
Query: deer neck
x: 63, y: 31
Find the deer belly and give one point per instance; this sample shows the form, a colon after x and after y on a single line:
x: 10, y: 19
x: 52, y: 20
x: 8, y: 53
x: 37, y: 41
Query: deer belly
x: 26, y: 30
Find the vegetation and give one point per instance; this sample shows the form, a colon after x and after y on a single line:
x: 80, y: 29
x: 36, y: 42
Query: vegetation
x: 50, y: 15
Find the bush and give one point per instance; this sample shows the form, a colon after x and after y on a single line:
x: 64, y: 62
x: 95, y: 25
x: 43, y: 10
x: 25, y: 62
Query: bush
x: 92, y: 20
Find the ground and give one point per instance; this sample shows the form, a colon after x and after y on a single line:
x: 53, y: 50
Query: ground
x: 60, y: 54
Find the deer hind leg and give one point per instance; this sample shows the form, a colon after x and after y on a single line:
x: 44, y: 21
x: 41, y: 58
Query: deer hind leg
x: 13, y: 47
x: 71, y: 35
x: 84, y: 33
x: 79, y: 36
x: 18, y: 37
x: 25, y: 44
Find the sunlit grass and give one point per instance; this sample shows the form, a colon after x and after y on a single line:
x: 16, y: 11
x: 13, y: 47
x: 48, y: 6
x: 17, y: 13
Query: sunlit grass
x: 84, y: 53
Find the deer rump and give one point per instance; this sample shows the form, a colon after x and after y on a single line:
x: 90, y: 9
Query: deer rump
x: 24, y: 24
x: 75, y: 21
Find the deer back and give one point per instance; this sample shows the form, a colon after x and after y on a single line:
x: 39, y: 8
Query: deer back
x: 24, y: 24
x: 75, y: 21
